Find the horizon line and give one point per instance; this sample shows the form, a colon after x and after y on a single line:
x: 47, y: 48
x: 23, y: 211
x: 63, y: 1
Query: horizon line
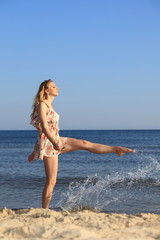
x: 116, y: 129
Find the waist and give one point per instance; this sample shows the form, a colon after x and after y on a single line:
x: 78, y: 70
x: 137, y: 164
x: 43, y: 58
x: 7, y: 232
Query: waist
x: 54, y: 132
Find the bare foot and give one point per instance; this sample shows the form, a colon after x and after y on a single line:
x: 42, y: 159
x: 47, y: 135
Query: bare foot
x: 31, y: 157
x: 121, y: 150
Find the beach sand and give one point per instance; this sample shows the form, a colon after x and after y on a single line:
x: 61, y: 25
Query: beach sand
x: 47, y: 224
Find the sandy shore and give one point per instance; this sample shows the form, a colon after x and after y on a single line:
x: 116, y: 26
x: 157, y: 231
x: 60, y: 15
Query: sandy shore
x: 34, y: 224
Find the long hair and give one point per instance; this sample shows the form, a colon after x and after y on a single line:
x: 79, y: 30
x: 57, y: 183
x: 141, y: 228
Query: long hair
x: 40, y: 96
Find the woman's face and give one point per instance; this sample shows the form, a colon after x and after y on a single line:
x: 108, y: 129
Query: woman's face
x: 52, y: 89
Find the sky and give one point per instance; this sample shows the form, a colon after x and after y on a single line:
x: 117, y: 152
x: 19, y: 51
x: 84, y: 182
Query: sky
x: 104, y: 55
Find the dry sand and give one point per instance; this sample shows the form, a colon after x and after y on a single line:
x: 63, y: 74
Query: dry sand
x: 47, y: 224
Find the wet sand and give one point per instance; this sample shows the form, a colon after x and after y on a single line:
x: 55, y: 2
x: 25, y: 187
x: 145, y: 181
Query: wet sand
x: 34, y: 224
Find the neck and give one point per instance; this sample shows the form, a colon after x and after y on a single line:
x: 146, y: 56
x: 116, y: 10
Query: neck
x: 49, y: 100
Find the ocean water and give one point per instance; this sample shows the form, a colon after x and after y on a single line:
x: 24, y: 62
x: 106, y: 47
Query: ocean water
x: 106, y: 182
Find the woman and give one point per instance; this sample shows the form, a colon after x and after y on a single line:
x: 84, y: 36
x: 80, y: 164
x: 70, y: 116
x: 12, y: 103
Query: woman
x: 49, y: 144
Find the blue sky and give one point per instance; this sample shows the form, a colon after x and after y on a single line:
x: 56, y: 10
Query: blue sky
x: 103, y: 54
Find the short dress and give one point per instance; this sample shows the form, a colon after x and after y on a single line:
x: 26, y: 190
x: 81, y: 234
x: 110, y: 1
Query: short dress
x: 43, y: 146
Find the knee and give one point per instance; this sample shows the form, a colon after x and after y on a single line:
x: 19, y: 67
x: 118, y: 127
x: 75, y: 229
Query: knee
x: 51, y: 182
x: 86, y: 144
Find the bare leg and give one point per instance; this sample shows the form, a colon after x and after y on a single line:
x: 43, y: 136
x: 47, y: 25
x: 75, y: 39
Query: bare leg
x: 76, y: 144
x: 51, y: 169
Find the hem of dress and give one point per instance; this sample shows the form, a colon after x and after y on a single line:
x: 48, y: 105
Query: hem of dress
x: 42, y: 158
x: 64, y: 141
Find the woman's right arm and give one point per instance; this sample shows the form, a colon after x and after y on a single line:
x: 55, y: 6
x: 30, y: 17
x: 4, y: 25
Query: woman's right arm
x: 42, y: 113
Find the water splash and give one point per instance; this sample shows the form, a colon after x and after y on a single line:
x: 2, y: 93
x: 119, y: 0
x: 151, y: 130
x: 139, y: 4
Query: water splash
x: 87, y: 194
x: 97, y: 192
x: 150, y: 168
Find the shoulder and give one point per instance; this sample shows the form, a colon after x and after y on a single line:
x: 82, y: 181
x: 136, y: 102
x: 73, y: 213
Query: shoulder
x: 42, y: 107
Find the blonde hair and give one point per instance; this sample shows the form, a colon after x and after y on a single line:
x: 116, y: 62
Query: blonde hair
x: 40, y: 96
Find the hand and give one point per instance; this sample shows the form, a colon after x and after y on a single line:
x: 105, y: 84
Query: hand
x: 31, y: 157
x: 56, y: 145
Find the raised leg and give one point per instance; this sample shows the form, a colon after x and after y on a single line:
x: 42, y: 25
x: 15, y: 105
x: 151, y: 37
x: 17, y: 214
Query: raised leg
x: 76, y: 144
x: 51, y: 169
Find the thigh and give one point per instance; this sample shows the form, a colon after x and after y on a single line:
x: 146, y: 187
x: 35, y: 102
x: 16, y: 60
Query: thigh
x: 51, y: 167
x: 73, y: 144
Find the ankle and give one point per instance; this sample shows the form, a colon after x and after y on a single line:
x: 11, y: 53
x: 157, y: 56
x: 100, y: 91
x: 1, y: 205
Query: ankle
x: 116, y: 149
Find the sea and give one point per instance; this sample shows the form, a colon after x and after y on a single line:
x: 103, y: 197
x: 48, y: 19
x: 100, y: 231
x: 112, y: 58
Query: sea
x: 99, y: 182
